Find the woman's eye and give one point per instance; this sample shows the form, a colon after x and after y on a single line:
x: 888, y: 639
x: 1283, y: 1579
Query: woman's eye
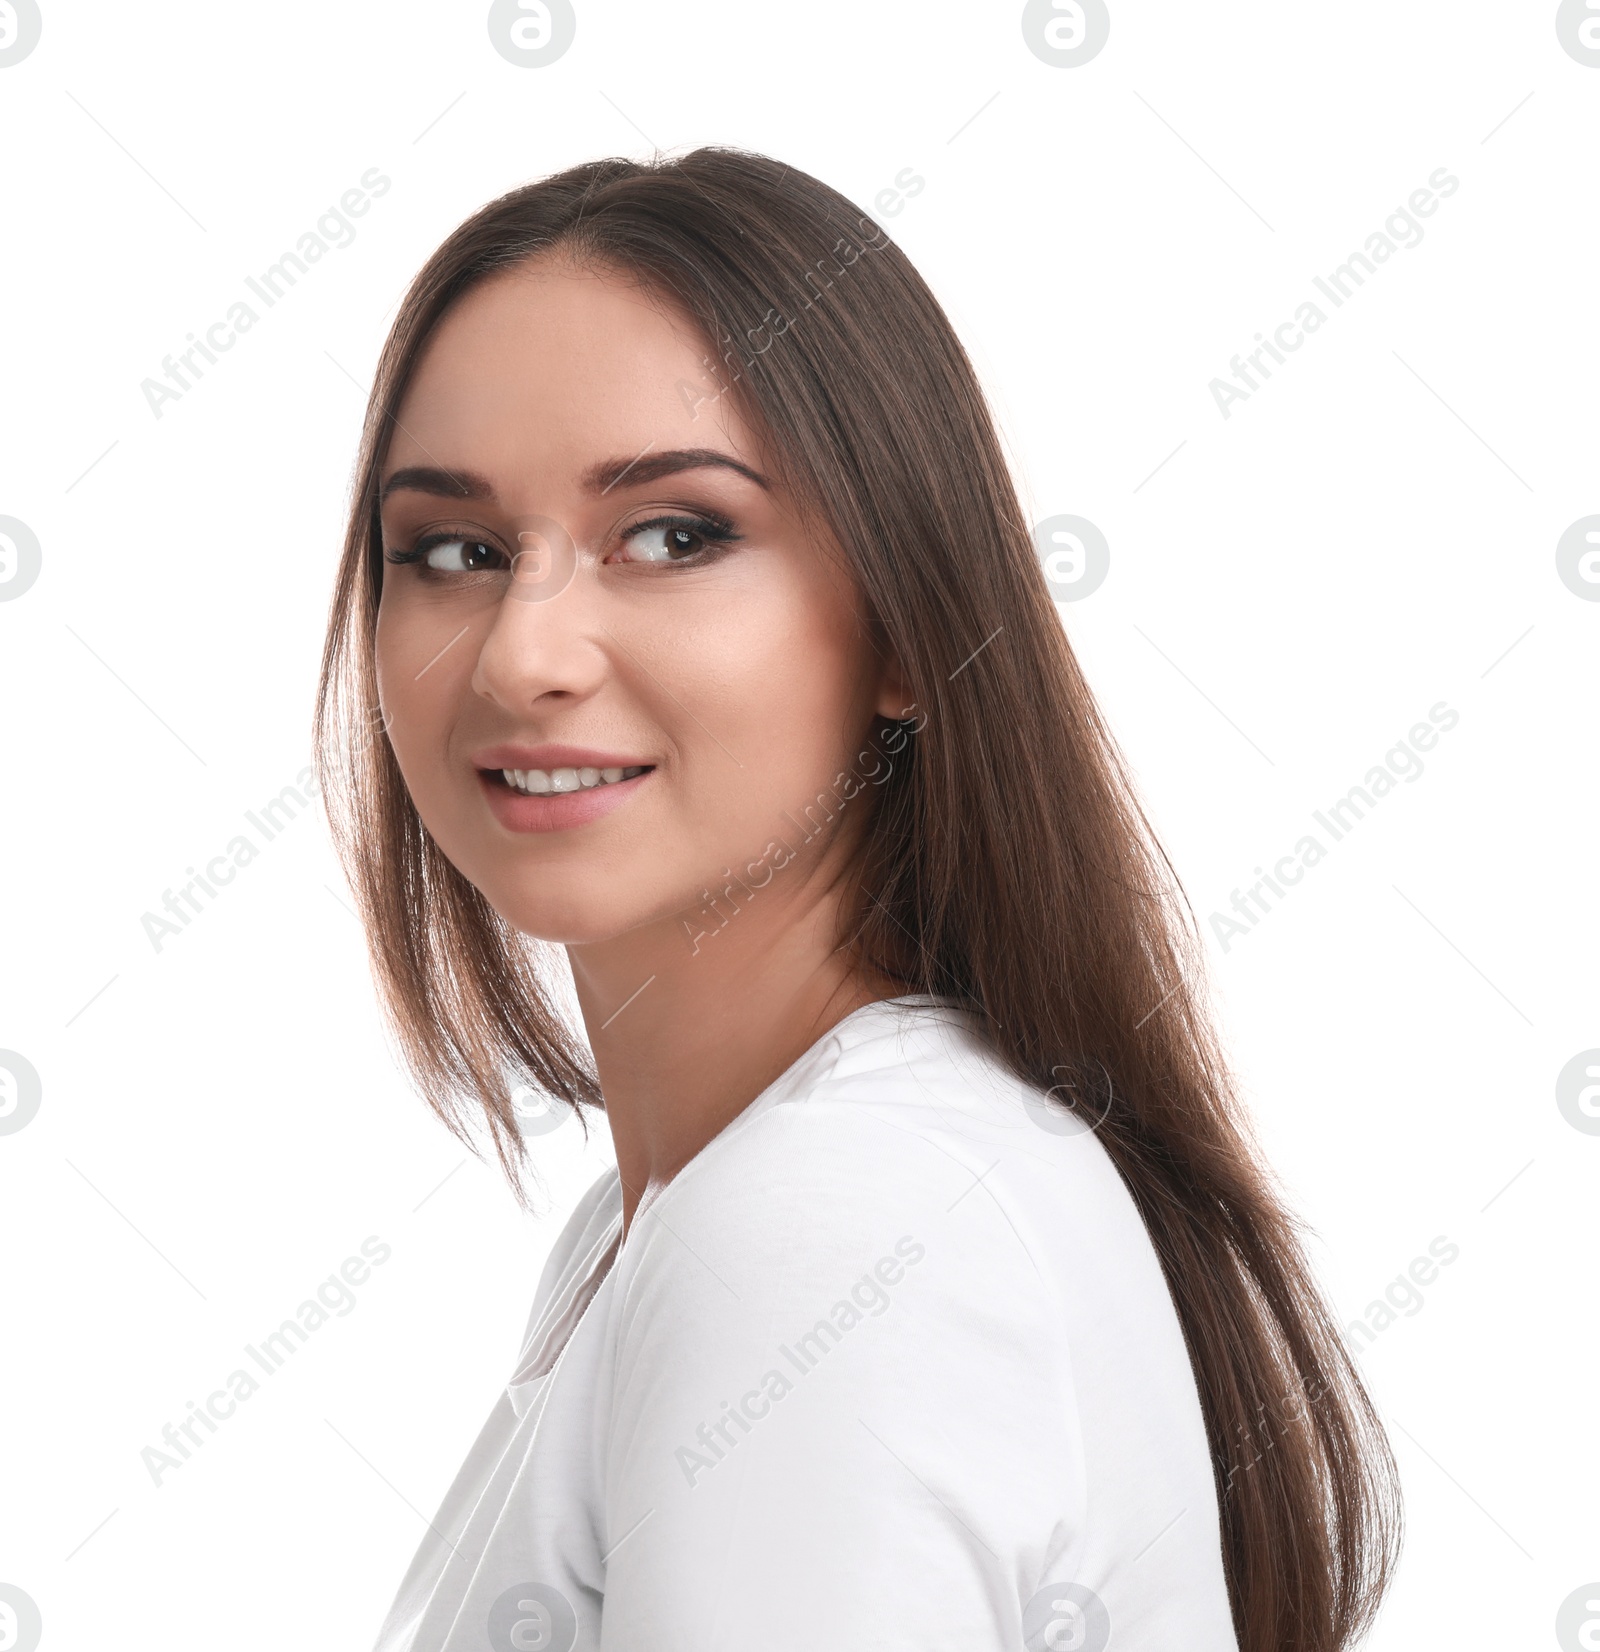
x: 460, y: 556
x: 668, y: 542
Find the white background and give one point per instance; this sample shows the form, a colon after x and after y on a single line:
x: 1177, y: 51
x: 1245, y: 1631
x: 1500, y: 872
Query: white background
x: 1291, y: 588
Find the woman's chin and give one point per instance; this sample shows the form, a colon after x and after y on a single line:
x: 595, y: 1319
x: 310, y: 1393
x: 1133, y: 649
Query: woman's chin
x: 577, y: 922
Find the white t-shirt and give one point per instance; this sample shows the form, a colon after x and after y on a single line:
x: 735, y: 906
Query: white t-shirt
x: 890, y: 1364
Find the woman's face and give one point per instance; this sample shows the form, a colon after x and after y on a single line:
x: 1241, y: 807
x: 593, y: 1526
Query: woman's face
x: 587, y: 579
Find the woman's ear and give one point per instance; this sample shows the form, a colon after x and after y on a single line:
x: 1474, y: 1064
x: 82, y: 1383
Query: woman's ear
x: 894, y: 694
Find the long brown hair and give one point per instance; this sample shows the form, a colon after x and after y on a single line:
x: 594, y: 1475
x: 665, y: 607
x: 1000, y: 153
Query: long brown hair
x: 1007, y: 864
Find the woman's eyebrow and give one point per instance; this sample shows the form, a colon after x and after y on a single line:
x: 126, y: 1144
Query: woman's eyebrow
x: 599, y: 478
x: 651, y: 467
x: 448, y: 484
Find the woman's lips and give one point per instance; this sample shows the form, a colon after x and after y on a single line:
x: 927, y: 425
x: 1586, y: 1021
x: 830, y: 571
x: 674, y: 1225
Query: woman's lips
x: 555, y: 811
x: 549, y: 755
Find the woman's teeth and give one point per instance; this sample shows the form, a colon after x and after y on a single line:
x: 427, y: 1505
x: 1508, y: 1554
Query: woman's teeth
x: 537, y: 782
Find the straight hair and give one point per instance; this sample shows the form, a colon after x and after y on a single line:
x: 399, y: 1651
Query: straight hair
x: 1007, y: 864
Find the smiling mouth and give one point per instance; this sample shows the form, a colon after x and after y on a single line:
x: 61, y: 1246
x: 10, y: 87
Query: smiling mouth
x: 558, y: 782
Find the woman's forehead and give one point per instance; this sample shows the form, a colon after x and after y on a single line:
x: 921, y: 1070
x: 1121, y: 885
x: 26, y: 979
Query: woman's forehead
x: 576, y: 369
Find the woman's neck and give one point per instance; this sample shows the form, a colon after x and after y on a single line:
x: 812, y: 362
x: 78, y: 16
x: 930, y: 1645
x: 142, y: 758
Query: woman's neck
x: 688, y: 1028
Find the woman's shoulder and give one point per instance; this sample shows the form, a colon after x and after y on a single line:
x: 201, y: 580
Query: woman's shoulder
x: 828, y: 1318
x: 906, y: 1108
x: 903, y: 1129
x: 894, y: 1289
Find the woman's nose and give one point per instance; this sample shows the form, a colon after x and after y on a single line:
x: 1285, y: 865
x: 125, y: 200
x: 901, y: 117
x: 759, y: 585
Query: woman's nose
x: 543, y: 638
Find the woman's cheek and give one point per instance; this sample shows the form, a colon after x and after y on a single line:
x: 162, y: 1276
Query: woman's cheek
x: 416, y: 716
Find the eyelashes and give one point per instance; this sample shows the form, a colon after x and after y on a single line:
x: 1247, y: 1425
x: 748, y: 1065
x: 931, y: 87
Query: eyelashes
x: 479, y: 555
x: 433, y: 541
x: 717, y: 532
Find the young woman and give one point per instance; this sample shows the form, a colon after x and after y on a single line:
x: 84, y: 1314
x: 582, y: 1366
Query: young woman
x: 689, y: 622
